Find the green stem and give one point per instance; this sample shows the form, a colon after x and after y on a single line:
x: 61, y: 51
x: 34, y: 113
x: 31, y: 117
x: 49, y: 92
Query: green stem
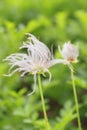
x: 43, y: 103
x: 76, y: 100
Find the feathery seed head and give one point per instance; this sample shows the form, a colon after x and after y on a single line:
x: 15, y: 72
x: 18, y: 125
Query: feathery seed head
x: 37, y: 60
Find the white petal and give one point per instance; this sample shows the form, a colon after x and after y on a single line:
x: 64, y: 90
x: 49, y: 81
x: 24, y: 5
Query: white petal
x: 34, y: 89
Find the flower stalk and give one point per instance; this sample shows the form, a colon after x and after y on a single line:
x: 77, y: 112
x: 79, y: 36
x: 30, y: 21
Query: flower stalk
x: 43, y: 103
x: 76, y: 100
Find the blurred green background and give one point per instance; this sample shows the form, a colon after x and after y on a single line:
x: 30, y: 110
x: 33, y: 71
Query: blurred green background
x: 54, y: 22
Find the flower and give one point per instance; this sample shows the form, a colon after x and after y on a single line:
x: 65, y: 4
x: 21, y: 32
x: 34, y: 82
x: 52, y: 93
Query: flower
x: 70, y: 52
x: 37, y: 60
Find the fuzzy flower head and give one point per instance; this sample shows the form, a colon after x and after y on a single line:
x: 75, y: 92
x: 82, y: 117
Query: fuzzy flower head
x: 70, y: 52
x: 37, y: 60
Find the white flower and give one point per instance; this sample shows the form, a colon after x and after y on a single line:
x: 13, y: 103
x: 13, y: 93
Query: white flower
x: 37, y: 60
x: 69, y: 53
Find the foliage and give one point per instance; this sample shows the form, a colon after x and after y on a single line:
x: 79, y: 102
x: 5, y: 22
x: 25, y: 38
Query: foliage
x: 53, y: 22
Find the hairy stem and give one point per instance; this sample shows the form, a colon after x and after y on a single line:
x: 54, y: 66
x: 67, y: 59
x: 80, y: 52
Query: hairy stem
x: 76, y: 101
x: 43, y: 103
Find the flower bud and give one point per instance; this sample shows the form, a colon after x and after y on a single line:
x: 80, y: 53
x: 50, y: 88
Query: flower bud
x: 70, y: 52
